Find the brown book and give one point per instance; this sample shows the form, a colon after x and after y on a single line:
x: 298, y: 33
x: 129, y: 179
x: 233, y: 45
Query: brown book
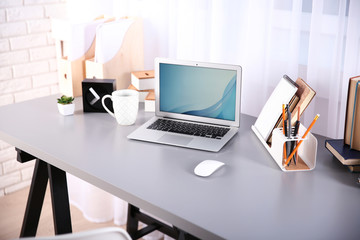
x: 292, y: 104
x: 305, y: 94
x: 350, y: 109
x: 355, y: 136
x: 355, y: 133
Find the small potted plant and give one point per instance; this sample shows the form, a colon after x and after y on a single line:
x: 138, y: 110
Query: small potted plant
x: 66, y: 105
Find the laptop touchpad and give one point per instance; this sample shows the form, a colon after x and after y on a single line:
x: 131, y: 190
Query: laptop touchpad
x: 178, y: 140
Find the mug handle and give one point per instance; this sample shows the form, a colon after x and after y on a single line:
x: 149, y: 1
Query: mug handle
x: 103, y: 103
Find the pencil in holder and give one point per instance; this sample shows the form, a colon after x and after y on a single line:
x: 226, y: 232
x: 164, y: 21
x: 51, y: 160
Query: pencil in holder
x: 306, y: 152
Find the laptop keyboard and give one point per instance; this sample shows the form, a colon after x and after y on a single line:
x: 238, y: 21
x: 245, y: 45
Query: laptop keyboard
x: 192, y: 129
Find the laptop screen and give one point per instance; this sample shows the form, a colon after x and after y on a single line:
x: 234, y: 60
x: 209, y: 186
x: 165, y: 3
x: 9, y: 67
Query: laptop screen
x: 198, y: 91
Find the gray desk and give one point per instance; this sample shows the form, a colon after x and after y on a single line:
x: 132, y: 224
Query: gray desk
x: 249, y: 198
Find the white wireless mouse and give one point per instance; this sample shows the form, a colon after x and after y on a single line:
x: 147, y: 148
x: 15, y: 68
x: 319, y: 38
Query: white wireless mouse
x: 207, y: 167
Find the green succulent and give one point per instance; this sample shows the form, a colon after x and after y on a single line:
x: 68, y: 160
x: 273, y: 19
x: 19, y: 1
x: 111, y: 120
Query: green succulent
x: 65, y: 100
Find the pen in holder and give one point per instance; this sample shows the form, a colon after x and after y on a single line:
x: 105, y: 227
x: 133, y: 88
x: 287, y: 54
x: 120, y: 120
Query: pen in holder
x: 306, y: 151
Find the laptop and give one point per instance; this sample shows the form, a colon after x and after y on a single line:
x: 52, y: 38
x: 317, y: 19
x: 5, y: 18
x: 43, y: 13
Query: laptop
x: 197, y: 105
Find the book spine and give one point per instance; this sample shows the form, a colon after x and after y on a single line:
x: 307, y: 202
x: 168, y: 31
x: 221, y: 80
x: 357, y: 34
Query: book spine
x: 353, y: 121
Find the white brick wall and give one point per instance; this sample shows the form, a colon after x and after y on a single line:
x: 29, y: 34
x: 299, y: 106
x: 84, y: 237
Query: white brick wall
x: 11, y: 85
x: 27, y: 68
x: 4, y: 45
x: 12, y: 29
x: 42, y: 25
x: 10, y: 3
x: 45, y: 79
x: 2, y: 15
x: 42, y: 53
x: 7, y: 180
x: 7, y: 153
x: 13, y: 57
x: 30, y: 69
x: 28, y: 41
x: 5, y: 73
x: 4, y: 145
x: 55, y: 11
x: 6, y: 99
x: 24, y: 13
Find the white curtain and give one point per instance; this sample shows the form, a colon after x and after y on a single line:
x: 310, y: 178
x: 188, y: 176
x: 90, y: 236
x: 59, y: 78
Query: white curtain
x: 317, y: 40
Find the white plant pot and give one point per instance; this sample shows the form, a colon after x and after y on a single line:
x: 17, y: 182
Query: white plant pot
x: 66, y: 109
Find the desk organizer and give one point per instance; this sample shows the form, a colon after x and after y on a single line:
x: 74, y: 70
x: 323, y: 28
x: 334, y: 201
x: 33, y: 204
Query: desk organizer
x: 306, y: 151
x: 129, y: 57
x: 75, y: 43
x: 71, y: 73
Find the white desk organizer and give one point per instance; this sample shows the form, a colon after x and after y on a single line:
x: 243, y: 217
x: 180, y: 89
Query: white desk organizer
x: 75, y: 42
x: 126, y: 53
x: 306, y: 152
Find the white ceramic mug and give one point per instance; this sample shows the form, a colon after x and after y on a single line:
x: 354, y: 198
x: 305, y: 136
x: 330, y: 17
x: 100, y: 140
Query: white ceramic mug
x: 125, y: 104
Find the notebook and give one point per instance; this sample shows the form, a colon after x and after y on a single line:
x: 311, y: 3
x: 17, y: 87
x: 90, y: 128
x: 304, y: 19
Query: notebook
x: 343, y: 152
x: 197, y: 105
x: 270, y: 113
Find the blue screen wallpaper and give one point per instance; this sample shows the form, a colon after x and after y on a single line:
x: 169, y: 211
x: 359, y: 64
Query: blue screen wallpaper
x: 198, y: 91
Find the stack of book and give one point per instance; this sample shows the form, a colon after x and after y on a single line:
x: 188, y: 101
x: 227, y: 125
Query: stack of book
x: 347, y: 150
x: 144, y: 83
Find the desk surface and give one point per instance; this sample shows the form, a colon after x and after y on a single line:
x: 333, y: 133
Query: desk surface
x: 249, y: 198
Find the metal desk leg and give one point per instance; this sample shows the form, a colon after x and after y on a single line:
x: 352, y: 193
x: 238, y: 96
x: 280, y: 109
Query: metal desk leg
x: 135, y: 216
x: 132, y: 224
x: 35, y: 200
x: 59, y: 196
x: 60, y: 200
